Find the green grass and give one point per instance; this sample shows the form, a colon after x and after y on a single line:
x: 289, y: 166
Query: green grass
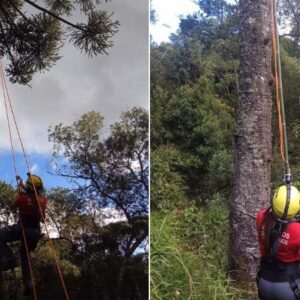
x: 189, y: 254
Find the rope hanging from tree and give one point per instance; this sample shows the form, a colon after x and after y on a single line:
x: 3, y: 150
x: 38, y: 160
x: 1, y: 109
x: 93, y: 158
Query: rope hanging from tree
x: 279, y: 94
x: 7, y: 102
x: 16, y: 173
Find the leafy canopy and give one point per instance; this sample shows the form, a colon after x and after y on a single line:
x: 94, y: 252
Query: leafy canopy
x: 112, y: 171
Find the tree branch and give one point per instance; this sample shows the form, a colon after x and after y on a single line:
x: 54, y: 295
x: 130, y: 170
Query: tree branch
x: 136, y: 244
x: 21, y: 13
x: 53, y: 15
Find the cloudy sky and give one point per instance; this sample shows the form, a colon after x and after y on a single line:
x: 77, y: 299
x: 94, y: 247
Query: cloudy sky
x: 110, y: 84
x: 168, y: 13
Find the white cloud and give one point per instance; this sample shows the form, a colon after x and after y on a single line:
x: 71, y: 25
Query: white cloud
x: 104, y: 215
x: 34, y: 169
x: 168, y: 13
x: 77, y: 84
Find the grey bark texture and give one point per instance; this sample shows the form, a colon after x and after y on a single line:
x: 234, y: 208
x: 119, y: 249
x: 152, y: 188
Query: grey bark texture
x: 253, y: 138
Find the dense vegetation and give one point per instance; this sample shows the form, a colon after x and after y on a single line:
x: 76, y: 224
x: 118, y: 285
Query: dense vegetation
x: 194, y: 92
x: 102, y: 225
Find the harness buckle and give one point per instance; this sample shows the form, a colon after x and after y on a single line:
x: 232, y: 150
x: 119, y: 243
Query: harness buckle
x: 277, y: 227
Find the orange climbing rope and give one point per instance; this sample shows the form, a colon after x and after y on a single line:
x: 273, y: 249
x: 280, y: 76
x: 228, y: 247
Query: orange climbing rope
x: 35, y: 191
x: 279, y: 91
x: 16, y: 173
x: 274, y: 33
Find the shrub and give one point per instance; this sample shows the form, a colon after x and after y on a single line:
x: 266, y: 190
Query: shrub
x: 167, y: 190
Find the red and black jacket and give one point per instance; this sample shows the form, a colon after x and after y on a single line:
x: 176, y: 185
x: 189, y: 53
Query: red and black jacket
x: 30, y: 209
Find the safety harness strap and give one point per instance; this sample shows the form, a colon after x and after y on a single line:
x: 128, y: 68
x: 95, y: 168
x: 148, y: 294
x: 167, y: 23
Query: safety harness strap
x: 274, y: 239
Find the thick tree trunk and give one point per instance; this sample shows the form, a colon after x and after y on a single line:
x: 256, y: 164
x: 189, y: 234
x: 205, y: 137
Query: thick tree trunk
x: 253, y: 139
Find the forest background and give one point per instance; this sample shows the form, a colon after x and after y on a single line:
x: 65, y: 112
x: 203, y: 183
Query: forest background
x: 194, y: 94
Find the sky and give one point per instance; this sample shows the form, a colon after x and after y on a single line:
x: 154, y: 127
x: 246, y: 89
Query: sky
x: 168, y: 13
x: 77, y: 84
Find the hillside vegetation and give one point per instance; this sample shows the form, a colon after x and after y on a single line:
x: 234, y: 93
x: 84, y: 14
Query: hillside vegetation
x: 194, y: 94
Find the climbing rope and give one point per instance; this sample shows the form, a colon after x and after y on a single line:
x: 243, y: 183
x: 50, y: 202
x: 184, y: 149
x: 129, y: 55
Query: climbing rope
x: 3, y: 80
x: 16, y: 173
x: 279, y: 94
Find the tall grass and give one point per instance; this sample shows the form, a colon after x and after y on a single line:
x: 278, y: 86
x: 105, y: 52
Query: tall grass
x: 189, y: 254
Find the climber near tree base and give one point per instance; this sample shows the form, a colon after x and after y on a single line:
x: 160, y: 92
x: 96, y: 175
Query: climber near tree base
x: 278, y: 230
x: 31, y: 203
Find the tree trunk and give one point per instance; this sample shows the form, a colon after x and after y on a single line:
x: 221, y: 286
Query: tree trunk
x: 253, y: 139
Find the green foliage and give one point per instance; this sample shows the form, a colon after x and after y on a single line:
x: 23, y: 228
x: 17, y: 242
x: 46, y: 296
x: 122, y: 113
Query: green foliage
x: 31, y: 41
x: 173, y: 65
x: 221, y: 170
x: 291, y: 75
x: 197, y: 114
x: 129, y: 139
x: 289, y: 16
x: 111, y: 171
x: 167, y: 190
x: 208, y: 224
x: 200, y: 125
x: 101, y: 235
x: 7, y: 194
x: 193, y: 97
x: 103, y: 257
x: 159, y: 100
x: 217, y: 9
x: 291, y: 47
x: 46, y: 274
x: 112, y: 175
x: 194, y: 92
x: 188, y: 254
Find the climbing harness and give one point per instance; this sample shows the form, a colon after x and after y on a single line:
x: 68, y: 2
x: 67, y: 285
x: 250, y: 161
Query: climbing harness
x: 8, y: 106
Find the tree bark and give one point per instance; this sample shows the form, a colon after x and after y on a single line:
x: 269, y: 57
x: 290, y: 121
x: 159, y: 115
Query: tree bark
x: 253, y: 138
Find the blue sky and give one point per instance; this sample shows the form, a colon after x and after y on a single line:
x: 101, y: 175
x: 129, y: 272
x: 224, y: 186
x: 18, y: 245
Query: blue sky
x: 40, y: 165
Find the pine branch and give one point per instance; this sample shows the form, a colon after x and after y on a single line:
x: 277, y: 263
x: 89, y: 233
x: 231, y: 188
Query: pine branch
x: 53, y: 15
x: 21, y: 13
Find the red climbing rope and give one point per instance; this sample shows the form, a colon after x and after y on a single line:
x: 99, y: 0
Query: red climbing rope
x: 35, y: 191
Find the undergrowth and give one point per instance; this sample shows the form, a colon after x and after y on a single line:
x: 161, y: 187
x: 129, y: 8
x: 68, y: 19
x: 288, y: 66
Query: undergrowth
x: 189, y: 250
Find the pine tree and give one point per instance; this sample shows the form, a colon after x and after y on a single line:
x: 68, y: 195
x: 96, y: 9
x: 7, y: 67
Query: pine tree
x: 31, y: 41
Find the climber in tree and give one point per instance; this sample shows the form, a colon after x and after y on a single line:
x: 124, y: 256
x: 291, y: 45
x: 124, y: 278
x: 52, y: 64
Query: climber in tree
x: 279, y: 240
x: 31, y: 204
